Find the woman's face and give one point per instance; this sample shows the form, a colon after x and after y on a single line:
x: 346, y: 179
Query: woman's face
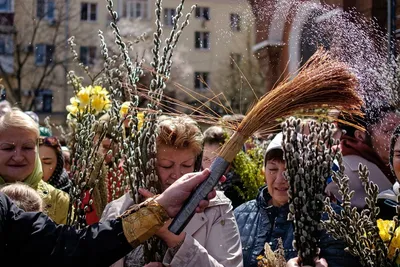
x: 17, y: 154
x: 381, y: 134
x: 210, y: 152
x: 396, y: 159
x: 49, y: 161
x: 173, y: 163
x: 277, y: 184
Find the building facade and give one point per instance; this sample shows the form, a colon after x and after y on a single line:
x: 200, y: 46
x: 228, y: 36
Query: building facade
x: 35, y: 56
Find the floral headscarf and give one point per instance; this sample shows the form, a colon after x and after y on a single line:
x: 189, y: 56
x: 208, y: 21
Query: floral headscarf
x: 59, y: 179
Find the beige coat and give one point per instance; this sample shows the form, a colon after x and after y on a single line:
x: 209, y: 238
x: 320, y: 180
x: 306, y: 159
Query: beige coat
x: 351, y: 163
x: 212, y: 237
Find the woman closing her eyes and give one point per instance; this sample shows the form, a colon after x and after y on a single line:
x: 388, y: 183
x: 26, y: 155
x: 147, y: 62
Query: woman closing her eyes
x: 211, y: 238
x: 53, y: 163
x: 20, y: 162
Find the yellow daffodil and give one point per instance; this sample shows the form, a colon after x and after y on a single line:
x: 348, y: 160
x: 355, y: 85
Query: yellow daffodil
x: 124, y: 109
x: 97, y: 103
x: 72, y: 109
x: 91, y: 99
x: 83, y: 97
x: 386, y: 229
x: 140, y: 117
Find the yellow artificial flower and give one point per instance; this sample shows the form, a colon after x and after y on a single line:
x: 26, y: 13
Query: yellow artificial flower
x: 384, y: 228
x: 83, y: 97
x: 72, y: 109
x: 140, y: 117
x: 124, y: 109
x: 98, y: 104
x: 91, y: 99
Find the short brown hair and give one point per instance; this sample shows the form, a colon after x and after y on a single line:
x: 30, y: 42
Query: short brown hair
x: 23, y: 196
x: 215, y: 135
x: 180, y: 132
x: 274, y: 154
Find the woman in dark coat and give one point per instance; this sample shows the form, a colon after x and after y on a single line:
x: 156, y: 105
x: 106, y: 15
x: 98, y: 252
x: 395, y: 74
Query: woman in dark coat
x: 32, y: 239
x: 264, y: 220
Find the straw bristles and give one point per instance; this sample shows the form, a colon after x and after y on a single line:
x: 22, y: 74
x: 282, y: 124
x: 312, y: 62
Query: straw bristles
x: 323, y: 82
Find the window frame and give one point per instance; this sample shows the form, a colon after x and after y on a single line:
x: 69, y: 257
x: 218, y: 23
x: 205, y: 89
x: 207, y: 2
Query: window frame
x: 10, y: 7
x: 8, y: 42
x: 201, y: 86
x: 88, y: 59
x: 200, y: 13
x: 47, y: 13
x: 131, y: 11
x: 169, y: 14
x: 47, y: 59
x: 235, y: 21
x: 201, y: 40
x: 89, y: 11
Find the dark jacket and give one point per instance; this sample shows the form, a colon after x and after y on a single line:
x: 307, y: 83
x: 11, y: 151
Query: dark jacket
x: 387, y: 202
x: 32, y: 239
x: 260, y: 223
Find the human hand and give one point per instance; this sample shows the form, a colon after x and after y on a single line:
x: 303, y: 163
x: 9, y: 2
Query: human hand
x: 318, y: 263
x: 169, y: 238
x: 154, y: 264
x: 174, y: 196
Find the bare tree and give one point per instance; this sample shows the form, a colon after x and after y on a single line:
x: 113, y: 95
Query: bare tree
x: 39, y: 49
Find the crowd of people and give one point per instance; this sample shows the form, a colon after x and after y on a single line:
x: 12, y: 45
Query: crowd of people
x: 226, y: 230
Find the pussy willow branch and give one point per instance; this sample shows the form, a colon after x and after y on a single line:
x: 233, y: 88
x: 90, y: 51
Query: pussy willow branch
x: 357, y: 229
x: 309, y: 160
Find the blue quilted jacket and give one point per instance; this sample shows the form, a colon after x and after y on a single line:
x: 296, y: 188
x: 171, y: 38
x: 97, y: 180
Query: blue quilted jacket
x: 259, y: 223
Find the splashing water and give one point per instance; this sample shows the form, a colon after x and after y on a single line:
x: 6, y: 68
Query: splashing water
x: 352, y: 38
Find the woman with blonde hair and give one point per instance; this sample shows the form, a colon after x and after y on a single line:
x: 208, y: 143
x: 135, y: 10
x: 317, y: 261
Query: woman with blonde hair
x: 20, y: 162
x: 211, y: 238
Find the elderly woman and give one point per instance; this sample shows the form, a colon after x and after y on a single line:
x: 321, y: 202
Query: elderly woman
x: 211, y: 238
x: 52, y: 160
x: 264, y: 220
x: 20, y: 162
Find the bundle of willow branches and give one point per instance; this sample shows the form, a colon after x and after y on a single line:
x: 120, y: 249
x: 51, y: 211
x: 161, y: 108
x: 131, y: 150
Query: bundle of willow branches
x: 309, y: 161
x: 360, y: 229
x: 133, y: 152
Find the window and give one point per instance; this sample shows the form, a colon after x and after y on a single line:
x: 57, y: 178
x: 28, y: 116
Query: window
x: 87, y: 55
x: 235, y: 22
x: 136, y: 9
x: 203, y: 13
x: 202, y: 40
x: 44, y: 100
x: 235, y: 59
x: 88, y: 11
x: 201, y: 80
x: 169, y: 13
x: 6, y: 6
x: 45, y: 9
x: 44, y: 54
x: 6, y: 45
